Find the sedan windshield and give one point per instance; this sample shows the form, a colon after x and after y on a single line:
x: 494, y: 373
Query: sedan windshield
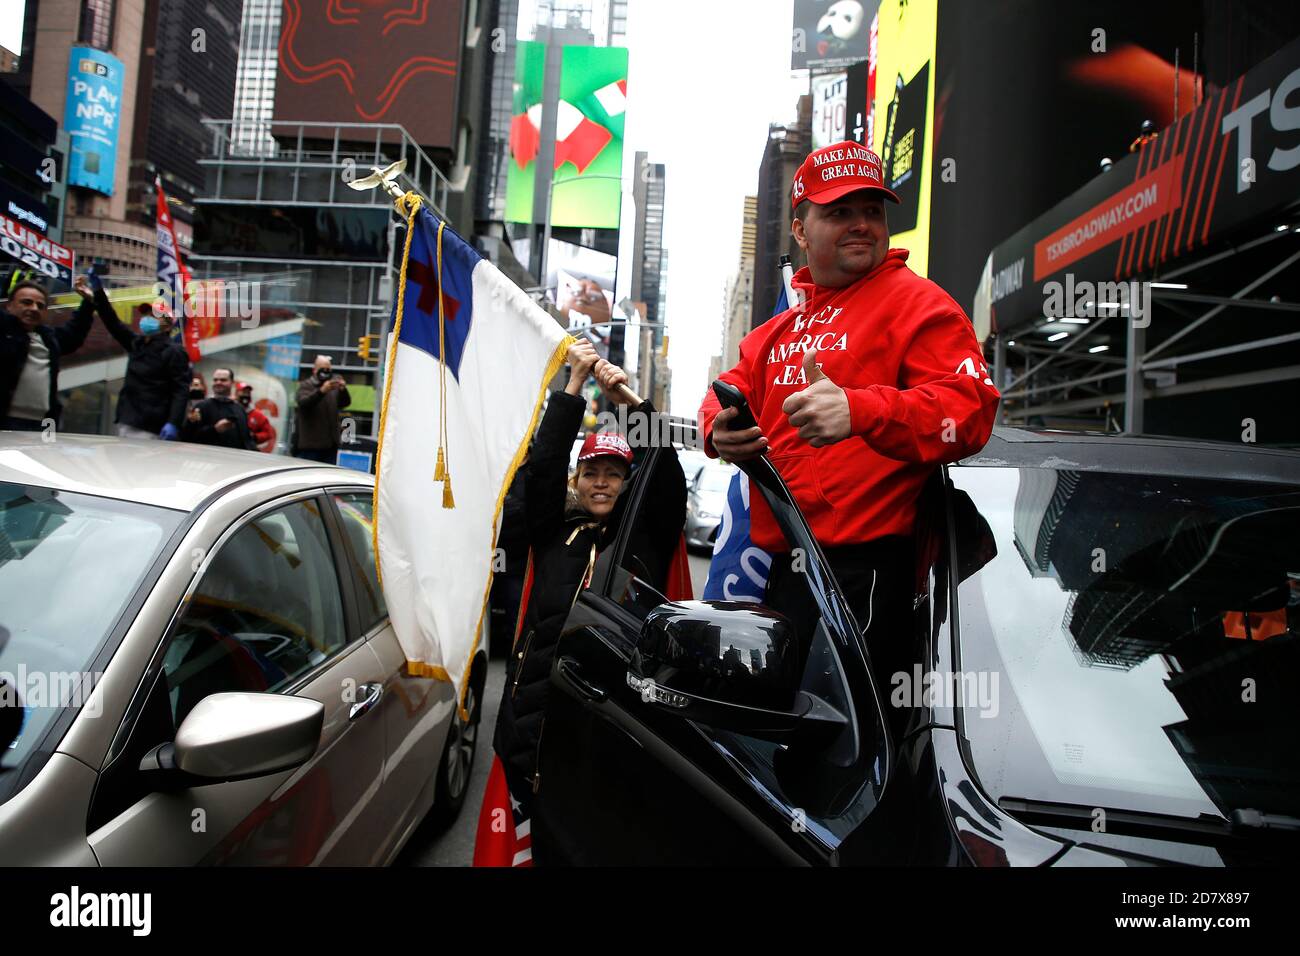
x: 68, y: 565
x: 1139, y: 637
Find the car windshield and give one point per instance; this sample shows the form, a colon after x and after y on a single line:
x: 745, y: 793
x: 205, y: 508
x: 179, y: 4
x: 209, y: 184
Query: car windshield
x: 68, y: 565
x: 1136, y: 638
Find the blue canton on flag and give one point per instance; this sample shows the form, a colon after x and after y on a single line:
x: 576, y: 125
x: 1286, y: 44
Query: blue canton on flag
x: 420, y: 329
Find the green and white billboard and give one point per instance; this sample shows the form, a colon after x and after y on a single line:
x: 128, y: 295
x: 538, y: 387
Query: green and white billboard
x: 588, y: 135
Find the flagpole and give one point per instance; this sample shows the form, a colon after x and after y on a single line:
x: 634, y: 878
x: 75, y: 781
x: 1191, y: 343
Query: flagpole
x: 787, y: 277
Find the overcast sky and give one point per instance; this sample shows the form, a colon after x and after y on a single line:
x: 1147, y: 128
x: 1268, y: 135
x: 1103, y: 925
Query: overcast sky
x: 705, y: 77
x: 11, y: 25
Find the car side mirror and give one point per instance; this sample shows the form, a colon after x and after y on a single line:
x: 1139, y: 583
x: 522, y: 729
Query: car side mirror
x: 237, y: 736
x: 729, y: 665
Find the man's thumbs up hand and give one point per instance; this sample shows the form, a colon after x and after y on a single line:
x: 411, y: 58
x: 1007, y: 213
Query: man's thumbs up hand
x: 821, y: 411
x: 811, y: 370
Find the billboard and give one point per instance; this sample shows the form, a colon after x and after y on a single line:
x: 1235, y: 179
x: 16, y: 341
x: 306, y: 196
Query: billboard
x: 384, y: 61
x: 1213, y: 171
x: 830, y: 106
x: 904, y: 119
x: 1026, y: 123
x: 588, y: 135
x: 830, y: 33
x: 90, y: 115
x: 860, y: 94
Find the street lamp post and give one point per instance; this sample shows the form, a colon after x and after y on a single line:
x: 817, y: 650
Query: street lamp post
x: 546, y: 228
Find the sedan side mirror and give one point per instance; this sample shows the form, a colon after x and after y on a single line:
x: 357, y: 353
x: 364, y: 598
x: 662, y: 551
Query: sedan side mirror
x: 236, y: 736
x: 729, y: 665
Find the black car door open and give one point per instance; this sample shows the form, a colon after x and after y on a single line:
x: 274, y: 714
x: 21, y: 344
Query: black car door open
x: 707, y: 732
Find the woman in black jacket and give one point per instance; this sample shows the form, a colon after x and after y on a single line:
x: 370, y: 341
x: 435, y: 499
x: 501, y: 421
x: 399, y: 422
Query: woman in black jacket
x: 570, y: 522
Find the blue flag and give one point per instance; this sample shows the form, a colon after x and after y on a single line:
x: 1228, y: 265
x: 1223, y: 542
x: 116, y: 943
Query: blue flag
x: 739, y: 569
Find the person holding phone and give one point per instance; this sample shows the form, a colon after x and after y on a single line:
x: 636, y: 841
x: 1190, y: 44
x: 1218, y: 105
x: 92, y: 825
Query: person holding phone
x: 321, y: 396
x: 859, y: 394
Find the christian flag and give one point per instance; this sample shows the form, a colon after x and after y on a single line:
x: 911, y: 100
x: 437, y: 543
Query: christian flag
x: 171, y: 267
x: 469, y: 358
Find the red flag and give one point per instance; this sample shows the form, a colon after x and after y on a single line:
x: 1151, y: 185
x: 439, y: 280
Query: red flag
x: 525, y: 139
x: 582, y: 145
x: 504, y: 837
x: 679, y: 575
x: 173, y: 274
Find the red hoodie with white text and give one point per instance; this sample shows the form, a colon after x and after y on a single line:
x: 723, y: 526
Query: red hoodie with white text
x: 919, y: 395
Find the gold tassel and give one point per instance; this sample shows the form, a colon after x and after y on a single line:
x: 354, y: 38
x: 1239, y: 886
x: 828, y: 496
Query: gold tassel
x: 448, y: 501
x: 440, y: 469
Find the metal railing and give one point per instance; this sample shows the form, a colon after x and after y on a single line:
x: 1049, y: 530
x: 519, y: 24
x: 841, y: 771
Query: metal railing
x: 310, y: 164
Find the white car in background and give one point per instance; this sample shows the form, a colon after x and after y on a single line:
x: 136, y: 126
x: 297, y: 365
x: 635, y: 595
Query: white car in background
x: 706, y: 498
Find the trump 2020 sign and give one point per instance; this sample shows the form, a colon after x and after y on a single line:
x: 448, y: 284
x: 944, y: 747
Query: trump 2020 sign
x: 91, y: 114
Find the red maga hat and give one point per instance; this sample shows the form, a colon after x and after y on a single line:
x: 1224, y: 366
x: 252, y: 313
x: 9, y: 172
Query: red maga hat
x: 837, y: 170
x: 599, y: 444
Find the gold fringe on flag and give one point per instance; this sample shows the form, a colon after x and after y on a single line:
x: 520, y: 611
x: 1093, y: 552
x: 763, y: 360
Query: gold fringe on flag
x: 441, y: 470
x: 407, y: 206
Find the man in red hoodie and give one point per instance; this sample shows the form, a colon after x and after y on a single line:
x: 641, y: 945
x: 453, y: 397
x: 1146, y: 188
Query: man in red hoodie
x: 860, y: 393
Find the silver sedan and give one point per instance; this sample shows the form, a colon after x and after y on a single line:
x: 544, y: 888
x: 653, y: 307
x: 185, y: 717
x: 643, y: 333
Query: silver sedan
x: 197, y: 666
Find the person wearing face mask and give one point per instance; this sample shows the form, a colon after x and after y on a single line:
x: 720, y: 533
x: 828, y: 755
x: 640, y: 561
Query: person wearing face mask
x: 321, y: 396
x: 152, y: 403
x: 259, y: 426
x: 570, y: 521
x: 198, y: 392
x: 221, y: 420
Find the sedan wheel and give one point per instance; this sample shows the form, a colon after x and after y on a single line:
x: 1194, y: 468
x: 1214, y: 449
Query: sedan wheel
x: 460, y: 748
x: 457, y: 760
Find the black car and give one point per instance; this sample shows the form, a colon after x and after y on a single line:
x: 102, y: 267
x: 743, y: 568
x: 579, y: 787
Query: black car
x: 1104, y: 672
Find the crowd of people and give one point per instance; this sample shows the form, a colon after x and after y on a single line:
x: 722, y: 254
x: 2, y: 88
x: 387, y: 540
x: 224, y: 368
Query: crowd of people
x: 163, y: 396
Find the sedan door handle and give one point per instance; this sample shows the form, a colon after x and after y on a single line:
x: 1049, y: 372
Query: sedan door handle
x: 372, y: 693
x: 571, y: 671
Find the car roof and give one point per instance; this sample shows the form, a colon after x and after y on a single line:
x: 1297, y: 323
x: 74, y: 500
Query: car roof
x: 176, y: 475
x: 1136, y: 454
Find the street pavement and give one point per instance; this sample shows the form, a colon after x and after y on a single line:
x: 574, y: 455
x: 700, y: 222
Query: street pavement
x: 454, y: 845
